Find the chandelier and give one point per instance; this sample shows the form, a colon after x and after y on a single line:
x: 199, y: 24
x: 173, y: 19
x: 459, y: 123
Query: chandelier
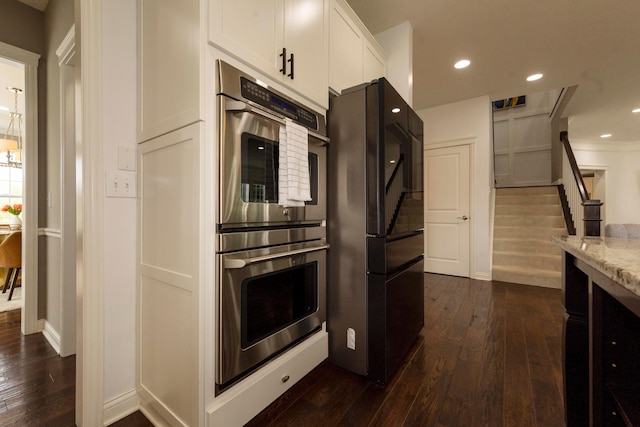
x: 11, y: 144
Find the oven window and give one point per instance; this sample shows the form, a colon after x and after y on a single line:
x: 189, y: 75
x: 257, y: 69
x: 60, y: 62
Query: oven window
x: 259, y: 171
x: 273, y: 301
x: 259, y: 174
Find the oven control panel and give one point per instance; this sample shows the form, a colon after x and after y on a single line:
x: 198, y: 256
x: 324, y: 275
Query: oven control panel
x: 263, y: 96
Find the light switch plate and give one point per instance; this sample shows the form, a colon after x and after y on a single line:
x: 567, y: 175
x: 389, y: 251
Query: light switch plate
x: 126, y: 158
x: 121, y: 184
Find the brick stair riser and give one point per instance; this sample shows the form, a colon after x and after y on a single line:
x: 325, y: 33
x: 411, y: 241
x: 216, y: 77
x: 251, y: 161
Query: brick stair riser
x: 542, y: 262
x: 546, y: 210
x: 529, y: 221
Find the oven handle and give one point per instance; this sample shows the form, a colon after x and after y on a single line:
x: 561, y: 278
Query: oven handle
x: 239, y: 106
x: 234, y: 263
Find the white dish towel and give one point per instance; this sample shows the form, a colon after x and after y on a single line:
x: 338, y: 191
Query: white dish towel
x: 293, y: 170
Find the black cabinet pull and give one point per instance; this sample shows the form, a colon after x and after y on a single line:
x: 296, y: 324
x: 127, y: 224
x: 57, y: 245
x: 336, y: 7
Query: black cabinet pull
x: 283, y: 55
x: 290, y: 60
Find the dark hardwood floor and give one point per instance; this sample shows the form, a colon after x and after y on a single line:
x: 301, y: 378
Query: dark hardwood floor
x: 37, y: 387
x: 489, y: 355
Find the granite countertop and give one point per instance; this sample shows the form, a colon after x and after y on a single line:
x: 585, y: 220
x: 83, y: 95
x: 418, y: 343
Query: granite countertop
x: 616, y: 258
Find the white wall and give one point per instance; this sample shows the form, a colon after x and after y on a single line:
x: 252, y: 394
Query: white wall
x: 119, y: 128
x: 465, y: 120
x: 621, y: 163
x: 397, y: 43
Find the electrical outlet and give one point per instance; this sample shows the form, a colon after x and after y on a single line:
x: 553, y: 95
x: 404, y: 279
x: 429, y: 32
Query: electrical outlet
x: 351, y: 338
x: 121, y: 184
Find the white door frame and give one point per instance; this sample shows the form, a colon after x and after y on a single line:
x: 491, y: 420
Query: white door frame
x: 89, y: 219
x: 471, y: 142
x: 66, y: 53
x: 29, y: 322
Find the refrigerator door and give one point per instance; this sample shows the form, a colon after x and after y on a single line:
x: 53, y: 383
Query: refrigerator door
x: 394, y: 163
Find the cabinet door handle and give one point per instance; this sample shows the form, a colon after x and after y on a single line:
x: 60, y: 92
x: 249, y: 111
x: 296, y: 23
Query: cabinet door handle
x: 283, y: 55
x: 290, y: 61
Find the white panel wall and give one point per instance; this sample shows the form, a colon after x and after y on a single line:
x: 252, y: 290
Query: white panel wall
x: 462, y: 120
x: 397, y: 42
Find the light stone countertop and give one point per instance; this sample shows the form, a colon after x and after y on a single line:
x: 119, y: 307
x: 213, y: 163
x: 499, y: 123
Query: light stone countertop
x: 616, y: 258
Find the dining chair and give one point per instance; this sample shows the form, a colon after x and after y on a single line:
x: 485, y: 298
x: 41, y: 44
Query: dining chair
x: 11, y: 259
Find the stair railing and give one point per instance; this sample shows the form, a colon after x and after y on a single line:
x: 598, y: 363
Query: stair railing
x: 588, y: 218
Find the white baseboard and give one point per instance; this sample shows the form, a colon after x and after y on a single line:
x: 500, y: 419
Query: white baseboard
x: 50, y: 334
x: 483, y: 276
x: 121, y: 406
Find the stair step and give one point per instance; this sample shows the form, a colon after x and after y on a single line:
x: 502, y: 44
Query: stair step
x: 526, y: 246
x: 527, y: 190
x: 517, y: 232
x: 528, y: 276
x: 553, y: 221
x: 545, y: 210
x: 535, y: 261
x: 536, y: 199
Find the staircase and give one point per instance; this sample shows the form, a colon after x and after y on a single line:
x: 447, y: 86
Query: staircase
x: 410, y: 215
x: 525, y: 220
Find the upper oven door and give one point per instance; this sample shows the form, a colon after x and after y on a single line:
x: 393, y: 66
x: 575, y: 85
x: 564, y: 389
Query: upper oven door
x: 248, y: 153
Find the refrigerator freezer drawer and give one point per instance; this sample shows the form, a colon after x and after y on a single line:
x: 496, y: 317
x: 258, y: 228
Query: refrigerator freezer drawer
x: 396, y: 317
x: 387, y: 256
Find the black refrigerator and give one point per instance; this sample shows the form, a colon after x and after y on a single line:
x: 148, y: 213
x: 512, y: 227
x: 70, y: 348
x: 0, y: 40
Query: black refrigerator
x: 375, y: 286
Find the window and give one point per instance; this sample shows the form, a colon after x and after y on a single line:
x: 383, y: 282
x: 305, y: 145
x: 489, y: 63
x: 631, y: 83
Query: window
x: 10, y: 189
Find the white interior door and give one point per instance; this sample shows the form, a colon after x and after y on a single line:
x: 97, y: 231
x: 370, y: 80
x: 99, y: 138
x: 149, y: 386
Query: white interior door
x: 447, y: 216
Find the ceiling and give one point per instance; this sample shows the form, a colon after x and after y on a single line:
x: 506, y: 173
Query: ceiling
x: 588, y: 43
x: 37, y: 4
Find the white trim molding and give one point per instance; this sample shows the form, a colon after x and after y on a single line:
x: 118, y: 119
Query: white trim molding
x: 89, y: 251
x: 49, y: 232
x: 29, y: 323
x: 121, y: 406
x: 52, y: 336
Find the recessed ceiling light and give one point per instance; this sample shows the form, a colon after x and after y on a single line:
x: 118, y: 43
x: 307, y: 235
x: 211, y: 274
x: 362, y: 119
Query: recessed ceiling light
x: 395, y: 110
x: 392, y: 161
x: 534, y: 77
x: 637, y: 110
x: 605, y: 135
x: 260, y: 147
x: 463, y: 63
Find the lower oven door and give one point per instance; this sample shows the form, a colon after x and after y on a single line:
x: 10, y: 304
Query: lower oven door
x: 268, y: 300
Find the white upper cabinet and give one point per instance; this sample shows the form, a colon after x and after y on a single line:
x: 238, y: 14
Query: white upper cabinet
x: 354, y: 55
x: 375, y: 61
x: 285, y: 39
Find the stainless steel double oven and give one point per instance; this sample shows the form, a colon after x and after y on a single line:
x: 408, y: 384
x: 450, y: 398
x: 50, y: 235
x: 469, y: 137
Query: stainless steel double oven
x: 272, y: 277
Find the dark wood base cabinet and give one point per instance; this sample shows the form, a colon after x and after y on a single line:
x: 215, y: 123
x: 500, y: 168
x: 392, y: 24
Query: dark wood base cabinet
x: 601, y: 348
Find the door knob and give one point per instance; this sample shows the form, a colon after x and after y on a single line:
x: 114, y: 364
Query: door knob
x: 463, y: 217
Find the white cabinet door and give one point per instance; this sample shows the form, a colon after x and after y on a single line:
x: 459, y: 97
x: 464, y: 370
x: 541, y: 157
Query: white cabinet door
x: 251, y: 31
x: 306, y: 27
x: 168, y: 66
x: 345, y: 44
x: 374, y: 62
x: 258, y: 32
x: 354, y: 55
